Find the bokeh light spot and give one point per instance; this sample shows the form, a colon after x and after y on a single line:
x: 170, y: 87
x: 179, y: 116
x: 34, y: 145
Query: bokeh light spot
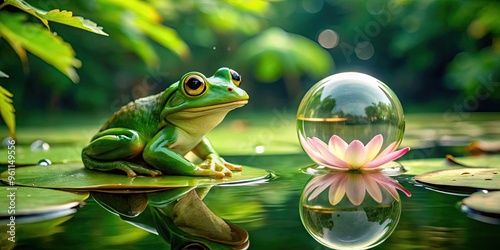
x: 364, y: 50
x: 328, y: 39
x: 312, y: 6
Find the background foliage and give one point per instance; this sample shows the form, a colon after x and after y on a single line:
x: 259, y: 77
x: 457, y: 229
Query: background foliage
x: 436, y: 55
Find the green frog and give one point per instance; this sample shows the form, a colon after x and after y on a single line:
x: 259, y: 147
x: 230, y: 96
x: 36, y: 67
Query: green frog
x: 151, y: 136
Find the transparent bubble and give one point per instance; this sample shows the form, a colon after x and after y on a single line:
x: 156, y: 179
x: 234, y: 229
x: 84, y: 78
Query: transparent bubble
x: 353, y: 106
x: 44, y: 162
x: 345, y: 225
x: 39, y: 145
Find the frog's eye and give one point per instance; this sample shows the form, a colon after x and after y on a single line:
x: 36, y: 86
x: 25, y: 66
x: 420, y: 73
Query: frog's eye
x: 235, y: 77
x: 194, y: 85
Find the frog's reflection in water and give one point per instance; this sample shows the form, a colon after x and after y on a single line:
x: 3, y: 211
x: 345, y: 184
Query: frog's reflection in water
x: 178, y: 215
x: 351, y: 209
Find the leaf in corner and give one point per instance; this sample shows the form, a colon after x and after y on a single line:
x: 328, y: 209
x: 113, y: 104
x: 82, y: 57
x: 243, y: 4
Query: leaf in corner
x: 67, y: 18
x: 63, y: 17
x: 41, y: 42
x: 7, y: 111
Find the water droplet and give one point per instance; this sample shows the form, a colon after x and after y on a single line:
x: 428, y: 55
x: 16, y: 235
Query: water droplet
x: 6, y: 141
x: 39, y: 145
x: 214, y: 47
x: 229, y: 48
x: 260, y: 149
x: 44, y: 162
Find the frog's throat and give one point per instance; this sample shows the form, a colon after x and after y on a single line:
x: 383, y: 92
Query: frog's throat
x: 198, y: 121
x: 230, y: 105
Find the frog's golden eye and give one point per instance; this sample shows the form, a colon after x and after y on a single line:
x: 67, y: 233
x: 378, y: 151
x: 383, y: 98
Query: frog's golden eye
x: 194, y: 85
x: 235, y: 77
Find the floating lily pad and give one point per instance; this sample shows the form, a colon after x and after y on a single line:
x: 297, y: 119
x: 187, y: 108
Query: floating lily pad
x: 74, y: 176
x: 484, y: 202
x: 462, y: 179
x: 35, y: 201
x: 419, y: 166
x: 483, y: 206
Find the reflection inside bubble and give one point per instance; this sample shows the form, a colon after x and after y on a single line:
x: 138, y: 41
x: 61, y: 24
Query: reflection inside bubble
x: 334, y: 217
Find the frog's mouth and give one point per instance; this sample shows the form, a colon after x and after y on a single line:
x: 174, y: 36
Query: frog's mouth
x: 220, y: 106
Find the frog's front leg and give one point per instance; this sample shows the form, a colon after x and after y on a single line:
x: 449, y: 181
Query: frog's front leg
x: 159, y: 154
x: 212, y: 160
x: 112, y: 149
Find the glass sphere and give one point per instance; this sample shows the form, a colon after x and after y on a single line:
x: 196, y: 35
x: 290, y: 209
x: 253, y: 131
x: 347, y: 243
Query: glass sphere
x: 353, y: 106
x: 345, y: 225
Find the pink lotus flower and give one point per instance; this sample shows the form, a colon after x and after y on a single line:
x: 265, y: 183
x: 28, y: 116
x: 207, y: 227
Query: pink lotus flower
x: 339, y: 155
x: 354, y: 185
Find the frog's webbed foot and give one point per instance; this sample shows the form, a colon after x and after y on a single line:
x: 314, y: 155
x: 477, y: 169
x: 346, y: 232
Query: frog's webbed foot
x: 215, y: 166
x: 130, y: 168
x: 133, y: 169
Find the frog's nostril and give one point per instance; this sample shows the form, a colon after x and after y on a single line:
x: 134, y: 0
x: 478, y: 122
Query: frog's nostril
x: 230, y: 89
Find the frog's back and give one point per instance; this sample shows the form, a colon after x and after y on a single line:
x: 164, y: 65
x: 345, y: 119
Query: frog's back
x: 141, y: 115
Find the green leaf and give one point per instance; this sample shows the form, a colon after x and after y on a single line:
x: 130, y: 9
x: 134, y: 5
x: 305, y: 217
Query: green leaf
x: 67, y: 18
x: 7, y: 111
x: 28, y: 9
x: 63, y: 17
x: 39, y: 41
x: 290, y: 54
x: 76, y: 177
x: 140, y: 8
x: 165, y: 36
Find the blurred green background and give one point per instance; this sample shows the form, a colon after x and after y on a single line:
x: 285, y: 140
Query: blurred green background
x: 437, y: 56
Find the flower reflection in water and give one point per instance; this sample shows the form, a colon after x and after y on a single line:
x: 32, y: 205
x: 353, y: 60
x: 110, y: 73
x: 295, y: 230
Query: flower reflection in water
x: 336, y: 211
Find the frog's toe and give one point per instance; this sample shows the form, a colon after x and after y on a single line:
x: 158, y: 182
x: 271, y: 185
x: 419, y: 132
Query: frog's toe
x: 149, y: 172
x: 209, y: 173
x: 232, y: 166
x: 133, y: 170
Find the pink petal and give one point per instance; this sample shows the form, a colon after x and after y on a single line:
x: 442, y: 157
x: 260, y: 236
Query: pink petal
x: 337, y: 189
x: 315, y: 155
x: 333, y: 160
x: 337, y: 146
x: 372, y: 187
x: 388, y: 149
x: 379, y: 161
x: 391, y: 185
x: 355, y: 154
x: 373, y: 147
x: 355, y: 189
x: 313, y: 184
x: 319, y: 189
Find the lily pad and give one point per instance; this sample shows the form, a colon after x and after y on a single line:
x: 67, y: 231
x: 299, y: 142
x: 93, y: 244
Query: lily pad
x: 483, y: 206
x: 463, y: 179
x: 74, y: 176
x: 420, y: 166
x: 25, y: 201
